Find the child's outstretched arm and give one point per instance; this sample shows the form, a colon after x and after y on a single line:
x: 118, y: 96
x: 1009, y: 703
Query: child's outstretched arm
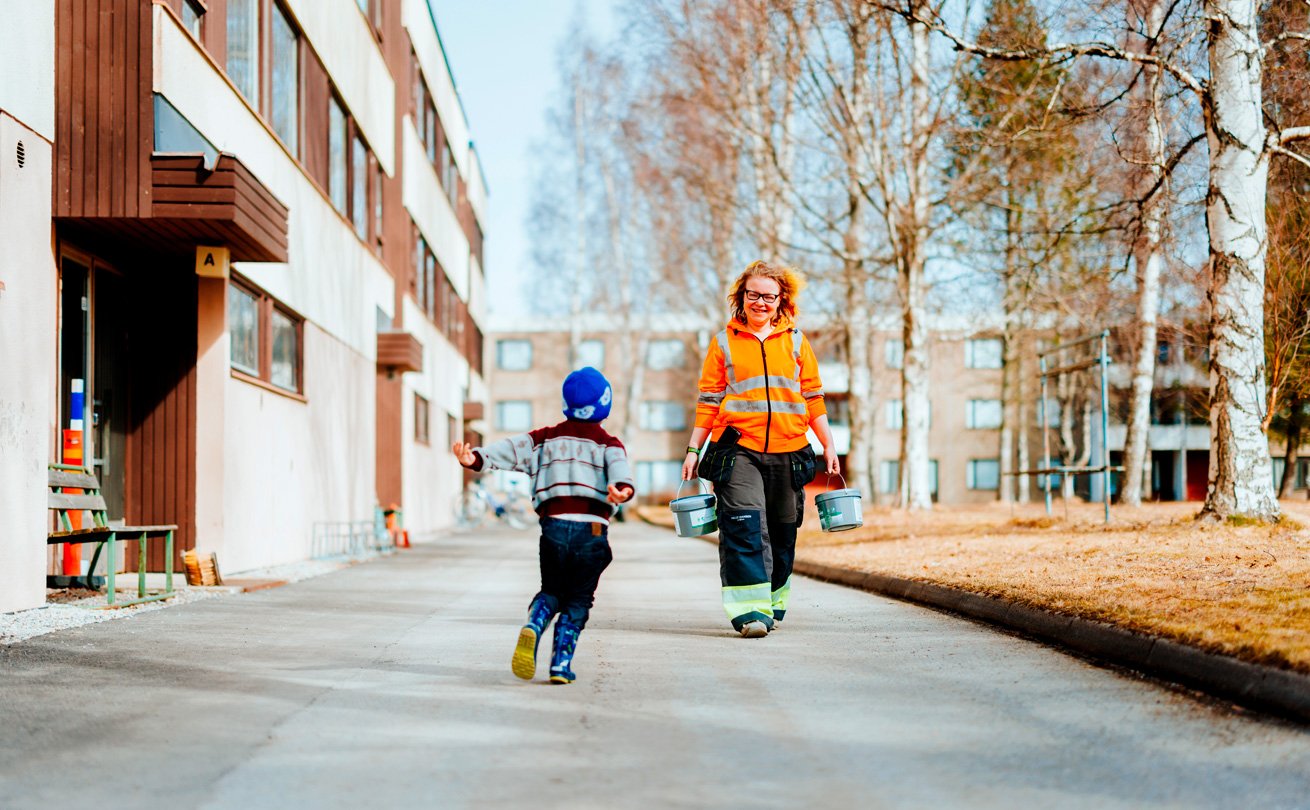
x: 464, y: 452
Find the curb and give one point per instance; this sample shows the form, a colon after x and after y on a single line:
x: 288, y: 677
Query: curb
x: 1277, y: 691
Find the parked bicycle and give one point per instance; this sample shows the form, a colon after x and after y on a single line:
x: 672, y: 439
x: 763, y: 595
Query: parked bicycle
x: 477, y: 503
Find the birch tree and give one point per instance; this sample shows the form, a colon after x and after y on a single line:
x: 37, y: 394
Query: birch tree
x: 1147, y: 249
x: 1240, y: 147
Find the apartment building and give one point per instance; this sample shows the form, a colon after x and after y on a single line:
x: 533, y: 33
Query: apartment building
x: 529, y: 357
x: 253, y: 229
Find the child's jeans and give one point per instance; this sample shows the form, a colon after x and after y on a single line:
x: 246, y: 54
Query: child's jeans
x: 573, y: 556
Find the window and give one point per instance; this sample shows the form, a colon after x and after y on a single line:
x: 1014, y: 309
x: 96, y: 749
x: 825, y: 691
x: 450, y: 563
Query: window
x: 839, y: 410
x: 359, y: 187
x: 266, y: 337
x: 894, y: 414
x: 377, y: 202
x: 983, y: 353
x: 337, y: 155
x: 984, y: 473
x: 193, y: 16
x: 514, y: 355
x: 283, y: 372
x: 659, y: 477
x: 1051, y: 407
x: 1302, y: 473
x: 895, y: 352
x: 1278, y: 465
x: 285, y: 86
x: 665, y: 354
x: 422, y: 413
x: 983, y: 414
x: 243, y: 48
x: 1162, y: 352
x: 243, y: 326
x: 515, y: 415
x: 591, y: 353
x: 889, y: 477
x: 663, y: 416
x: 420, y: 283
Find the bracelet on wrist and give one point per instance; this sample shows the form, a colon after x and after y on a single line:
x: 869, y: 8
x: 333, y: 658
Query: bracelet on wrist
x: 695, y: 450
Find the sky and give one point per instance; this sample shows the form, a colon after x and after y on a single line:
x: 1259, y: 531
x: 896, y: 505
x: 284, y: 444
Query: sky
x: 503, y: 56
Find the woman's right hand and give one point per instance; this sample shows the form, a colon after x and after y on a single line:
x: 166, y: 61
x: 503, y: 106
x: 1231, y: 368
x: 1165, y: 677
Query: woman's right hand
x: 689, y: 465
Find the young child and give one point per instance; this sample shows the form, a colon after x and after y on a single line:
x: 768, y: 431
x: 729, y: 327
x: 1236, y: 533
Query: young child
x: 579, y: 472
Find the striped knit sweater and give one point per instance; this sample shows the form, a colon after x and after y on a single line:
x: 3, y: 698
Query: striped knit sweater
x: 570, y: 464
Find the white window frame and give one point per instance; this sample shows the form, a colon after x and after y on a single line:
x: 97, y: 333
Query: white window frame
x: 971, y: 474
x: 503, y: 343
x: 665, y: 354
x: 984, y: 353
x: 504, y: 406
x: 983, y: 414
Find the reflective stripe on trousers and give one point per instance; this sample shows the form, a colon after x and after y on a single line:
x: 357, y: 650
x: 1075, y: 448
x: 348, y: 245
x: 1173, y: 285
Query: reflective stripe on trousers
x: 758, y: 514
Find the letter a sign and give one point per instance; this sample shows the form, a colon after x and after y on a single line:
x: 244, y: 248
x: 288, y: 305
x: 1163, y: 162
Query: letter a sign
x: 212, y: 262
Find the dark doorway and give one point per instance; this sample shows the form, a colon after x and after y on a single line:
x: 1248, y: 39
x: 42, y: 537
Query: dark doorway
x: 1164, y: 475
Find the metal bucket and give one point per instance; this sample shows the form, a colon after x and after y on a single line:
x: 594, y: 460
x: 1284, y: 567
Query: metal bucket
x: 694, y: 514
x: 840, y: 509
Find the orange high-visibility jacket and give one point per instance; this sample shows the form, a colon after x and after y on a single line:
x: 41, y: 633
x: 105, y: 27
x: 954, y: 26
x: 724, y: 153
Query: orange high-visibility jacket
x: 768, y: 389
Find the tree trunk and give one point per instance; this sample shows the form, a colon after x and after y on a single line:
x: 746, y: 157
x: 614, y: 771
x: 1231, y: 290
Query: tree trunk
x: 1005, y: 448
x: 915, y: 369
x: 1294, y: 427
x: 1240, y: 478
x: 1022, y: 482
x: 859, y: 328
x: 1148, y: 259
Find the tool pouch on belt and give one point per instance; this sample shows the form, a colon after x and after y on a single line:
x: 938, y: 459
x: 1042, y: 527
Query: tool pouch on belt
x: 803, y: 467
x: 716, y: 464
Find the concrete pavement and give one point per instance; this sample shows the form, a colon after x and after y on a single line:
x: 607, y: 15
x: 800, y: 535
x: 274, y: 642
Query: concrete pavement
x: 388, y: 685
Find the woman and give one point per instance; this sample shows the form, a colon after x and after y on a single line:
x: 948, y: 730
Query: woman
x: 759, y: 394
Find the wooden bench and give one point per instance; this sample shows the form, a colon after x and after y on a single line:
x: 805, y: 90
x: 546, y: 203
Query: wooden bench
x: 63, y: 503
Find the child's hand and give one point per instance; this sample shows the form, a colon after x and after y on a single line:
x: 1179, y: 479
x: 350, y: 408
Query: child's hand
x: 464, y: 452
x: 619, y: 495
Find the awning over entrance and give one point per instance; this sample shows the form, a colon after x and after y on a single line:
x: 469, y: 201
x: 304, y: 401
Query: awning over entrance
x: 191, y: 206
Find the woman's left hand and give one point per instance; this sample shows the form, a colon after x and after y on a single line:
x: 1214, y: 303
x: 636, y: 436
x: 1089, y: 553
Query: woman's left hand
x: 830, y: 461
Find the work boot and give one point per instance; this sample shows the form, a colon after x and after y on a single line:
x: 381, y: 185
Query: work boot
x: 755, y: 629
x: 566, y: 640
x: 524, y: 662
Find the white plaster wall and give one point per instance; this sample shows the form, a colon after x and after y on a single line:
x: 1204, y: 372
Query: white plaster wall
x: 27, y: 64
x: 342, y: 38
x: 432, y: 478
x: 27, y: 359
x: 431, y: 211
x: 291, y: 464
x: 331, y: 278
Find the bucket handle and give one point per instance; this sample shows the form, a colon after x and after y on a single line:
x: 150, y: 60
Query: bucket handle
x: 699, y: 483
x: 839, y: 475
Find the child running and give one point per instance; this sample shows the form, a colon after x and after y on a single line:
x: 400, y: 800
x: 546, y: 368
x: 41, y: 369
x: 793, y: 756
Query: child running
x: 579, y: 472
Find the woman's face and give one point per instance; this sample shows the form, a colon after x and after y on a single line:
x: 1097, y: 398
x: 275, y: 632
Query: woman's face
x: 767, y: 295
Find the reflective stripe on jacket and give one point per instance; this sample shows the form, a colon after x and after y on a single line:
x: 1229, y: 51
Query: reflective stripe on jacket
x: 768, y: 389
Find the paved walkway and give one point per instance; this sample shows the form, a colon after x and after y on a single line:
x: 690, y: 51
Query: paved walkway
x: 388, y: 685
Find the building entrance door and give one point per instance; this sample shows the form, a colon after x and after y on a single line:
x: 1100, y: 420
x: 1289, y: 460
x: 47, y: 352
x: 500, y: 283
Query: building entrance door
x: 92, y: 349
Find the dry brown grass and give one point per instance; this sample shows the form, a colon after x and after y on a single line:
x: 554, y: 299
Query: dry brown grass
x: 1243, y: 590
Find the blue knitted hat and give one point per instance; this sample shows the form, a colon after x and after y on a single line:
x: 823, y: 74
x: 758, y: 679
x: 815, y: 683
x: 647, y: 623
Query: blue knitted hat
x: 587, y: 395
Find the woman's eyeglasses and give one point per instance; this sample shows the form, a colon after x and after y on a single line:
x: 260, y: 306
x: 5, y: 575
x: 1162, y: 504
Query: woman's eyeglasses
x: 767, y: 298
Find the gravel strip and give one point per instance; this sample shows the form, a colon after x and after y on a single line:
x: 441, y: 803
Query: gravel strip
x: 53, y: 617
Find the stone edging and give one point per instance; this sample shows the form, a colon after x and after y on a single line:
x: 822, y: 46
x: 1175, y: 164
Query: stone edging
x: 1277, y: 691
